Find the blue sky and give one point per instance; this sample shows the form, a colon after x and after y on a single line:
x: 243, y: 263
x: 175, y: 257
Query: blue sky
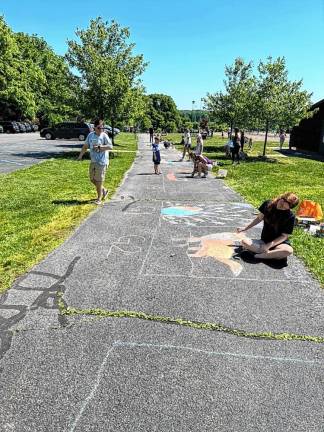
x: 188, y: 43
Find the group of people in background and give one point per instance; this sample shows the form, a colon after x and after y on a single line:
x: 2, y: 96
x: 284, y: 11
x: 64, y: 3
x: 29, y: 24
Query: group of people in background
x: 235, y: 145
x: 276, y: 215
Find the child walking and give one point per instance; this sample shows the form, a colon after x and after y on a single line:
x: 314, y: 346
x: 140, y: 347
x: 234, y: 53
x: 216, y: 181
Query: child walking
x: 156, y: 155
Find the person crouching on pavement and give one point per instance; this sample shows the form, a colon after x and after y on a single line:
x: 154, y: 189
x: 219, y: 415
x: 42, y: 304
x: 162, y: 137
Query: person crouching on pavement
x: 278, y: 223
x: 201, y: 165
x: 99, y: 145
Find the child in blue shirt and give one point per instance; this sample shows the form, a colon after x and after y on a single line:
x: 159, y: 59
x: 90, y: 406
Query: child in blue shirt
x: 156, y: 155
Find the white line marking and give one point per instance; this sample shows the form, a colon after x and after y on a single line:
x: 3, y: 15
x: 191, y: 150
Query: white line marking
x: 150, y: 246
x: 163, y: 183
x: 213, y: 353
x: 222, y: 277
x: 12, y: 162
x: 93, y: 391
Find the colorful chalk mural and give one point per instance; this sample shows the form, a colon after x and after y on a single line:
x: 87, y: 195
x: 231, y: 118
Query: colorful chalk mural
x: 180, y: 211
x: 207, y: 214
x: 219, y: 246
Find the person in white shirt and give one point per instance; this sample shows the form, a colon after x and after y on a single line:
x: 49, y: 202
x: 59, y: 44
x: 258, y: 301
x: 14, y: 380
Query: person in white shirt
x: 187, y: 144
x: 99, y: 145
x: 282, y: 137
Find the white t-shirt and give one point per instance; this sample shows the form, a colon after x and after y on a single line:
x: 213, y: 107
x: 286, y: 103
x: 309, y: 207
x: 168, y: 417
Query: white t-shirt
x: 187, y: 138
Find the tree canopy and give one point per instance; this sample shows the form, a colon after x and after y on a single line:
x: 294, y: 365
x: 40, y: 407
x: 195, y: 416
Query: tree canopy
x: 162, y: 112
x: 34, y: 81
x: 266, y: 100
x: 108, y: 70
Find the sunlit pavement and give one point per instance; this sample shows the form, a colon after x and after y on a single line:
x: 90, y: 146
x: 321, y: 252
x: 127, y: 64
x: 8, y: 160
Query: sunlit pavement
x: 160, y: 329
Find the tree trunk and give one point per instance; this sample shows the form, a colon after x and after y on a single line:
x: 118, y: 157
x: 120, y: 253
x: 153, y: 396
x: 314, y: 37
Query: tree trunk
x: 112, y: 132
x: 266, y: 138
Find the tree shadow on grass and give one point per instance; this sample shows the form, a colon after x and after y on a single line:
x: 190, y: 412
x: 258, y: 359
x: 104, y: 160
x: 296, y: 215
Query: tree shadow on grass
x: 72, y: 155
x: 264, y: 159
x: 72, y: 202
x: 220, y: 155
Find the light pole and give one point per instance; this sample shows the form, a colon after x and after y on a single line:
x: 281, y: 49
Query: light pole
x: 158, y: 103
x: 192, y: 111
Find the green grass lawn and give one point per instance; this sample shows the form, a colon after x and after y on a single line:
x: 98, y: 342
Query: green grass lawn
x: 257, y: 180
x: 41, y: 205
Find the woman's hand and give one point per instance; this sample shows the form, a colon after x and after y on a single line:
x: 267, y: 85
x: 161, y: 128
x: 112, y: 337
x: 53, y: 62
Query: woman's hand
x: 239, y: 230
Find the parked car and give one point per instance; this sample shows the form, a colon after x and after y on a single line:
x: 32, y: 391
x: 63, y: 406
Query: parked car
x: 22, y: 127
x: 9, y: 126
x: 108, y: 130
x: 28, y: 127
x: 1, y: 129
x: 67, y: 130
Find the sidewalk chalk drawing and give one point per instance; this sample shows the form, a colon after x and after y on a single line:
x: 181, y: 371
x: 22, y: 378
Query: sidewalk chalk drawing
x: 219, y: 246
x: 171, y: 176
x: 128, y: 245
x: 207, y: 214
x: 180, y: 211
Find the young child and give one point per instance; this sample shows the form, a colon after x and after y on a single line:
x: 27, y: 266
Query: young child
x: 156, y: 155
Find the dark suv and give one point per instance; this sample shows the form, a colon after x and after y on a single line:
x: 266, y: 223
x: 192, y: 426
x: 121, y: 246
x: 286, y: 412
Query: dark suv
x: 10, y: 126
x: 67, y: 130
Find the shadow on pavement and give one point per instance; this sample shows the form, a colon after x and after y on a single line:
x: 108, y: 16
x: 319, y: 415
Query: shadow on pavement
x: 70, y: 145
x: 277, y: 264
x: 302, y: 154
x: 145, y: 174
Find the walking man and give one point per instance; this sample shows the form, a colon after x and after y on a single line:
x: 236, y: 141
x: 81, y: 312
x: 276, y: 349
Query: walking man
x: 151, y: 131
x: 99, y: 144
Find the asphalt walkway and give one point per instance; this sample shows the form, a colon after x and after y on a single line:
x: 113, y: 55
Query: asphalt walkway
x: 143, y: 321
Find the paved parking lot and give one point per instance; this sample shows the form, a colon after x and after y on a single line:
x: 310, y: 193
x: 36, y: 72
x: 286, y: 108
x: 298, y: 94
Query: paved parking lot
x: 18, y: 151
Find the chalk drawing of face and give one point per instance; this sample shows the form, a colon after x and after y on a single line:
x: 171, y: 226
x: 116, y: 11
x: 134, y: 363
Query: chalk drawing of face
x: 218, y: 246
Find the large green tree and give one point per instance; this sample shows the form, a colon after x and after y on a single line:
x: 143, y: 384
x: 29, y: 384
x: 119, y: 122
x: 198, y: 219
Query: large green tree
x: 107, y: 69
x: 233, y: 105
x: 53, y: 86
x: 279, y: 102
x: 163, y: 113
x: 16, y: 76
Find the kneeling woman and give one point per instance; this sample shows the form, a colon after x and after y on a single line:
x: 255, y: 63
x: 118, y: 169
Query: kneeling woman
x: 278, y: 222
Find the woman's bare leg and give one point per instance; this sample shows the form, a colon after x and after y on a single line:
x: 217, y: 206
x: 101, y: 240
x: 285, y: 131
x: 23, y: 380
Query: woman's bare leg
x: 248, y: 245
x: 280, y: 252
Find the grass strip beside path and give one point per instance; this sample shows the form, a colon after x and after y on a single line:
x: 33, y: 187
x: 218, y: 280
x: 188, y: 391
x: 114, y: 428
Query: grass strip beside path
x: 258, y: 180
x: 41, y: 205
